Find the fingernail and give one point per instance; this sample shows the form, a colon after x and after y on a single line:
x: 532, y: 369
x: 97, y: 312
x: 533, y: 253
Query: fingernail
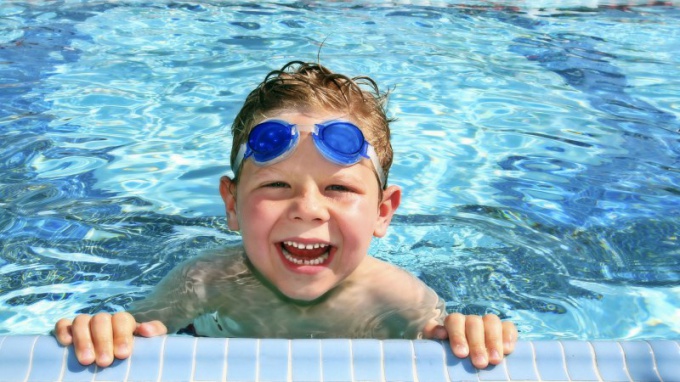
x: 495, y: 355
x: 462, y: 350
x: 105, y: 359
x: 87, y: 354
x: 122, y: 349
x: 480, y: 360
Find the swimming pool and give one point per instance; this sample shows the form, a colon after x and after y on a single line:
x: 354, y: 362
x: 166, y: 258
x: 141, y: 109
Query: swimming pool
x: 537, y: 147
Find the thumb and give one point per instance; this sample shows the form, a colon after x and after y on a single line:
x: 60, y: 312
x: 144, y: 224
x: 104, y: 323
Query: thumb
x: 433, y: 330
x: 63, y: 331
x: 151, y: 329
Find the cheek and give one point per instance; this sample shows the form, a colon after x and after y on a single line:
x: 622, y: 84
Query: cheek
x: 359, y: 220
x: 253, y: 217
x: 255, y: 223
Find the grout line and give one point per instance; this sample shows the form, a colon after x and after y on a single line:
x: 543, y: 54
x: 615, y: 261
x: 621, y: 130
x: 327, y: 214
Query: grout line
x: 625, y: 361
x: 594, y: 359
x: 534, y: 361
x: 63, y: 362
x: 30, y: 359
x: 289, y: 373
x: 564, y: 360
x: 504, y: 362
x: 162, y: 362
x: 320, y: 360
x: 382, y: 362
x: 96, y: 369
x: 128, y: 360
x: 193, y: 359
x: 351, y: 360
x: 656, y: 367
x: 414, y: 367
x: 257, y: 360
x: 226, y: 355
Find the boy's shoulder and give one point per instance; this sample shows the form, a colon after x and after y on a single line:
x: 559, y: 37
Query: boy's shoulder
x: 397, y: 295
x: 216, y: 264
x: 387, y: 282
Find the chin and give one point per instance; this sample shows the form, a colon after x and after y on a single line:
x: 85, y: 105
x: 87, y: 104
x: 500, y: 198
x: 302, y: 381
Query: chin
x: 306, y: 295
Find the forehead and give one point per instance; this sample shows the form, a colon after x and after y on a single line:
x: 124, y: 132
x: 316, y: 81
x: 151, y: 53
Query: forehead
x: 307, y: 117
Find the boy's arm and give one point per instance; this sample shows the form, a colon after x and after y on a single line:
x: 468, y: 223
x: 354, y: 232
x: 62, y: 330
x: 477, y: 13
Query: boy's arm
x: 174, y: 302
x: 484, y: 339
x: 178, y: 298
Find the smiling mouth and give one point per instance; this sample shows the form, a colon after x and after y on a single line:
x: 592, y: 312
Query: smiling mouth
x: 305, y: 254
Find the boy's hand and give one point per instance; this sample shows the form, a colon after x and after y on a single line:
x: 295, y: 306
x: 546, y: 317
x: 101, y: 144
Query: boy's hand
x: 102, y: 337
x: 484, y: 339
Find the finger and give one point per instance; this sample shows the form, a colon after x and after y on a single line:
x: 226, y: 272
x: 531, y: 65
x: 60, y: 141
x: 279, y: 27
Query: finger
x: 101, y: 331
x: 493, y: 337
x: 124, y: 326
x: 455, y: 326
x: 82, y: 341
x: 151, y: 329
x: 62, y: 331
x: 435, y: 331
x: 474, y: 331
x: 509, y: 337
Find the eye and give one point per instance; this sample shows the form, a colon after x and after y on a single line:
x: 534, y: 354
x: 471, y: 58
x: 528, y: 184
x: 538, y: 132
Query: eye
x: 338, y: 188
x: 276, y: 185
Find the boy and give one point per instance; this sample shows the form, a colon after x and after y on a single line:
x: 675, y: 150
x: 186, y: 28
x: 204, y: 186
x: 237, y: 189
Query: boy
x: 310, y: 155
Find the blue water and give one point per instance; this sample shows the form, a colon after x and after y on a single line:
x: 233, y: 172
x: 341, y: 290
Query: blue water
x: 538, y: 149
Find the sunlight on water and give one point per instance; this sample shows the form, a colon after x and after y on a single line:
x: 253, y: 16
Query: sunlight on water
x: 537, y: 147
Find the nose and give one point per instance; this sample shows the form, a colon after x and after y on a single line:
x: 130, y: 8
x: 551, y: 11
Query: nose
x: 309, y: 205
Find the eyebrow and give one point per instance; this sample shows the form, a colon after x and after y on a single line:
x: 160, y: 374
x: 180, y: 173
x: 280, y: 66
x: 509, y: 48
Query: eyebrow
x: 265, y: 171
x: 341, y: 174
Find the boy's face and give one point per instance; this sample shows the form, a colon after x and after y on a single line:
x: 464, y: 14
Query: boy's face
x: 306, y: 222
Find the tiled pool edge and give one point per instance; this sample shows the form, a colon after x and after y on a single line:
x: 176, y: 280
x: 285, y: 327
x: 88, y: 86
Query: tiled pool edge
x: 181, y: 358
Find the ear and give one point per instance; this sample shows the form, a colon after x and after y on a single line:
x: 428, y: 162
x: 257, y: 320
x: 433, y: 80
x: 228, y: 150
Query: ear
x: 388, y: 206
x: 228, y: 192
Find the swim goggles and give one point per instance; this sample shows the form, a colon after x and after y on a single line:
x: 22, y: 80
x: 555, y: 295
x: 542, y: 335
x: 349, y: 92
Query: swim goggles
x: 340, y: 142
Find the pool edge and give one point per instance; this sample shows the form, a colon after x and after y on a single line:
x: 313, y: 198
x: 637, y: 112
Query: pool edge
x: 182, y: 358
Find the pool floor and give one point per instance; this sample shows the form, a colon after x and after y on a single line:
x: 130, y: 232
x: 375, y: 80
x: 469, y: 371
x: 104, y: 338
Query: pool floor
x: 182, y: 358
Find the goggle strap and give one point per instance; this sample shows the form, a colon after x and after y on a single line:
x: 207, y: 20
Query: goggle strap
x: 239, y: 157
x: 373, y: 156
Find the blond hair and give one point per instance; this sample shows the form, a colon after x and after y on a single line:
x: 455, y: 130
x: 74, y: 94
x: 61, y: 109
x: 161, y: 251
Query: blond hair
x: 305, y: 86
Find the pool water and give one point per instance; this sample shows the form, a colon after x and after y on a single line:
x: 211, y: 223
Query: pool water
x: 537, y: 146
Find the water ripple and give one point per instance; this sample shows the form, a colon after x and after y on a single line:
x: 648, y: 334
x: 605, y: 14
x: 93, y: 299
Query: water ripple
x: 537, y: 149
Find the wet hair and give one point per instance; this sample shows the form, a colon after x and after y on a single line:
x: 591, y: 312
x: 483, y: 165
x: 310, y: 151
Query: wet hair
x: 303, y: 87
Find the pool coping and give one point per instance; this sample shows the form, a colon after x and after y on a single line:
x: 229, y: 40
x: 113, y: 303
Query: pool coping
x: 184, y: 358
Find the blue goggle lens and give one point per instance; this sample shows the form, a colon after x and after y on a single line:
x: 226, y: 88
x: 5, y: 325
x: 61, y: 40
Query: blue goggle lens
x: 340, y: 142
x: 342, y: 137
x: 270, y: 140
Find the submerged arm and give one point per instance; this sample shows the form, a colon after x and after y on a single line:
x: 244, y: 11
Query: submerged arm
x: 176, y: 300
x: 174, y: 303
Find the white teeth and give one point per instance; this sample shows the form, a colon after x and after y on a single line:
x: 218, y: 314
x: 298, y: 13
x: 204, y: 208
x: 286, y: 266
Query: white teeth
x: 305, y: 246
x: 316, y: 261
